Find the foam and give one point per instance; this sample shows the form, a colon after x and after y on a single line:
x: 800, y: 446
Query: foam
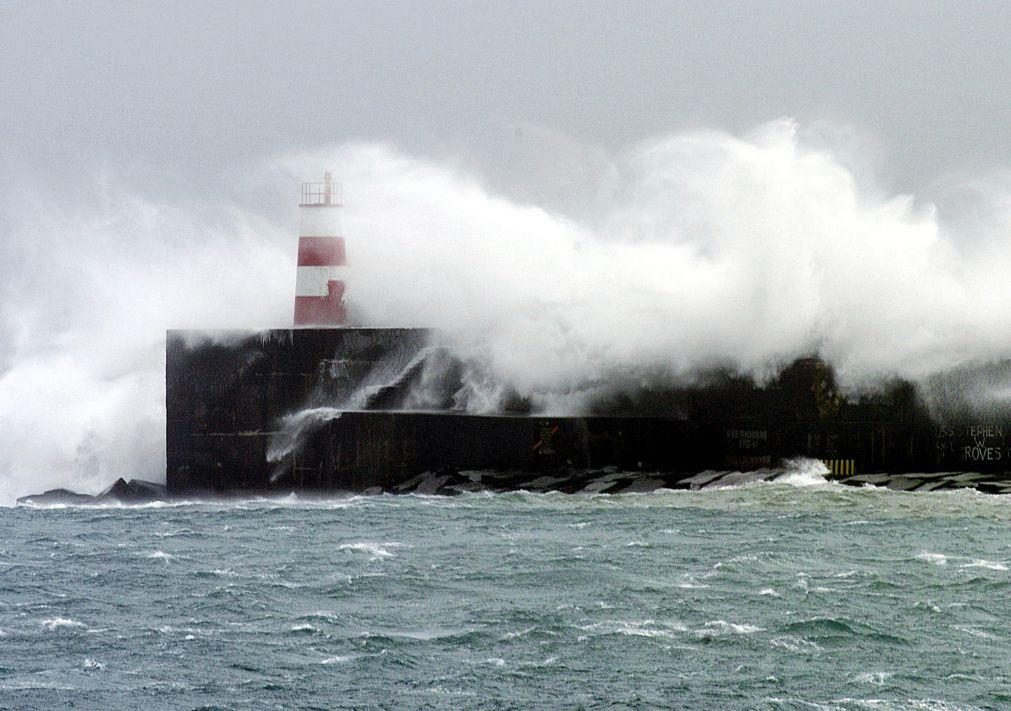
x: 376, y: 550
x: 57, y: 623
x: 933, y: 558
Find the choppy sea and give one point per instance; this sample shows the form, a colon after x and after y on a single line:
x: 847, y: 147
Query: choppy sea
x: 774, y: 595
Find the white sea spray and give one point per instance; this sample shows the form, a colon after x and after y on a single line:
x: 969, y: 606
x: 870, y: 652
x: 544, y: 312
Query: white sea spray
x: 703, y: 241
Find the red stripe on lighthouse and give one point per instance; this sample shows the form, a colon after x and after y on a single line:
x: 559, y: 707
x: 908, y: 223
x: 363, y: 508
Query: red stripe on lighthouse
x: 321, y: 251
x: 320, y: 309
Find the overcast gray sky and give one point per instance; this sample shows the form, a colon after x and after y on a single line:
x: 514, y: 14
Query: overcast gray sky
x: 181, y: 94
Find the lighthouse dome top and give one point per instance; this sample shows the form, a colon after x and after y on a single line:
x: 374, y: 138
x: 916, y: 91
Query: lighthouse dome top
x: 324, y: 194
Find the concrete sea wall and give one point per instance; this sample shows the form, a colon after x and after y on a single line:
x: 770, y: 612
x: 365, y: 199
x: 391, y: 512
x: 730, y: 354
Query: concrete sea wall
x: 349, y: 409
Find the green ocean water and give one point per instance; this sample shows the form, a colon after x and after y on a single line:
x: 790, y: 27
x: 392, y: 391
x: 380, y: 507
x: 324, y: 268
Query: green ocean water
x: 780, y: 596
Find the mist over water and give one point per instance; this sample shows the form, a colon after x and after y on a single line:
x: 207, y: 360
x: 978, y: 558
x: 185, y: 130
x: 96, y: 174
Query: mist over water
x: 88, y: 291
x: 697, y: 250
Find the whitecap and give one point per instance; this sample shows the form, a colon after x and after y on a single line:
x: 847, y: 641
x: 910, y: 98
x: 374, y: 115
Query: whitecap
x: 988, y: 564
x: 546, y: 663
x: 871, y: 703
x: 638, y: 631
x: 715, y: 628
x: 634, y: 628
x: 325, y: 616
x: 374, y: 549
x: 745, y: 558
x: 876, y: 678
x: 975, y: 632
x: 934, y: 558
x: 56, y: 623
x: 191, y: 631
x: 93, y: 664
x: 337, y: 659
x: 160, y: 555
x: 519, y: 633
x: 795, y: 644
x: 769, y: 592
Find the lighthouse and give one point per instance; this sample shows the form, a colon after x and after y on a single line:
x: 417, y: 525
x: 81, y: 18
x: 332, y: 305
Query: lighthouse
x: 319, y: 284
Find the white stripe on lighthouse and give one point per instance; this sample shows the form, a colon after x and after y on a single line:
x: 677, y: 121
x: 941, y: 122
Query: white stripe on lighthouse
x: 312, y: 281
x: 319, y: 220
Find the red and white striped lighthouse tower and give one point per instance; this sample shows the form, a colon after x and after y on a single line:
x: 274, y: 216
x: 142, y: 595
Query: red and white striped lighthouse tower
x: 319, y: 286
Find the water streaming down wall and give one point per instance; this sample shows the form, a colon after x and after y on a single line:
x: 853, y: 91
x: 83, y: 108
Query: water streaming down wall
x: 348, y: 409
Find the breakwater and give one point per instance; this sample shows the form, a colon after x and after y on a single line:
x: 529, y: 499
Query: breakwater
x: 350, y: 410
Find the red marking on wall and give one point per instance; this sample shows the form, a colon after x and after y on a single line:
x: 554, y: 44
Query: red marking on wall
x: 327, y: 310
x: 547, y: 433
x: 321, y: 251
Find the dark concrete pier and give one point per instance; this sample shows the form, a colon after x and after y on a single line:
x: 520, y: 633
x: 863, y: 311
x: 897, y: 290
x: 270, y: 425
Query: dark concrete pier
x: 348, y: 409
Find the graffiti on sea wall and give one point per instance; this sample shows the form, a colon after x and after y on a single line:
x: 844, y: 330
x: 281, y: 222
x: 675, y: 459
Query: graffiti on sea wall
x: 747, y: 449
x: 981, y: 443
x: 747, y: 440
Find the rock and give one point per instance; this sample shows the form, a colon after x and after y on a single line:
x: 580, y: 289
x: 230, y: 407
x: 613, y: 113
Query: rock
x: 597, y: 486
x: 873, y: 479
x: 430, y: 486
x: 407, y: 486
x: 994, y: 487
x: 465, y: 488
x: 929, y: 475
x: 903, y: 483
x: 701, y: 479
x: 930, y: 486
x: 55, y: 497
x: 642, y: 485
x: 738, y: 478
x: 544, y: 483
x: 135, y: 491
x: 966, y: 478
x: 128, y: 492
